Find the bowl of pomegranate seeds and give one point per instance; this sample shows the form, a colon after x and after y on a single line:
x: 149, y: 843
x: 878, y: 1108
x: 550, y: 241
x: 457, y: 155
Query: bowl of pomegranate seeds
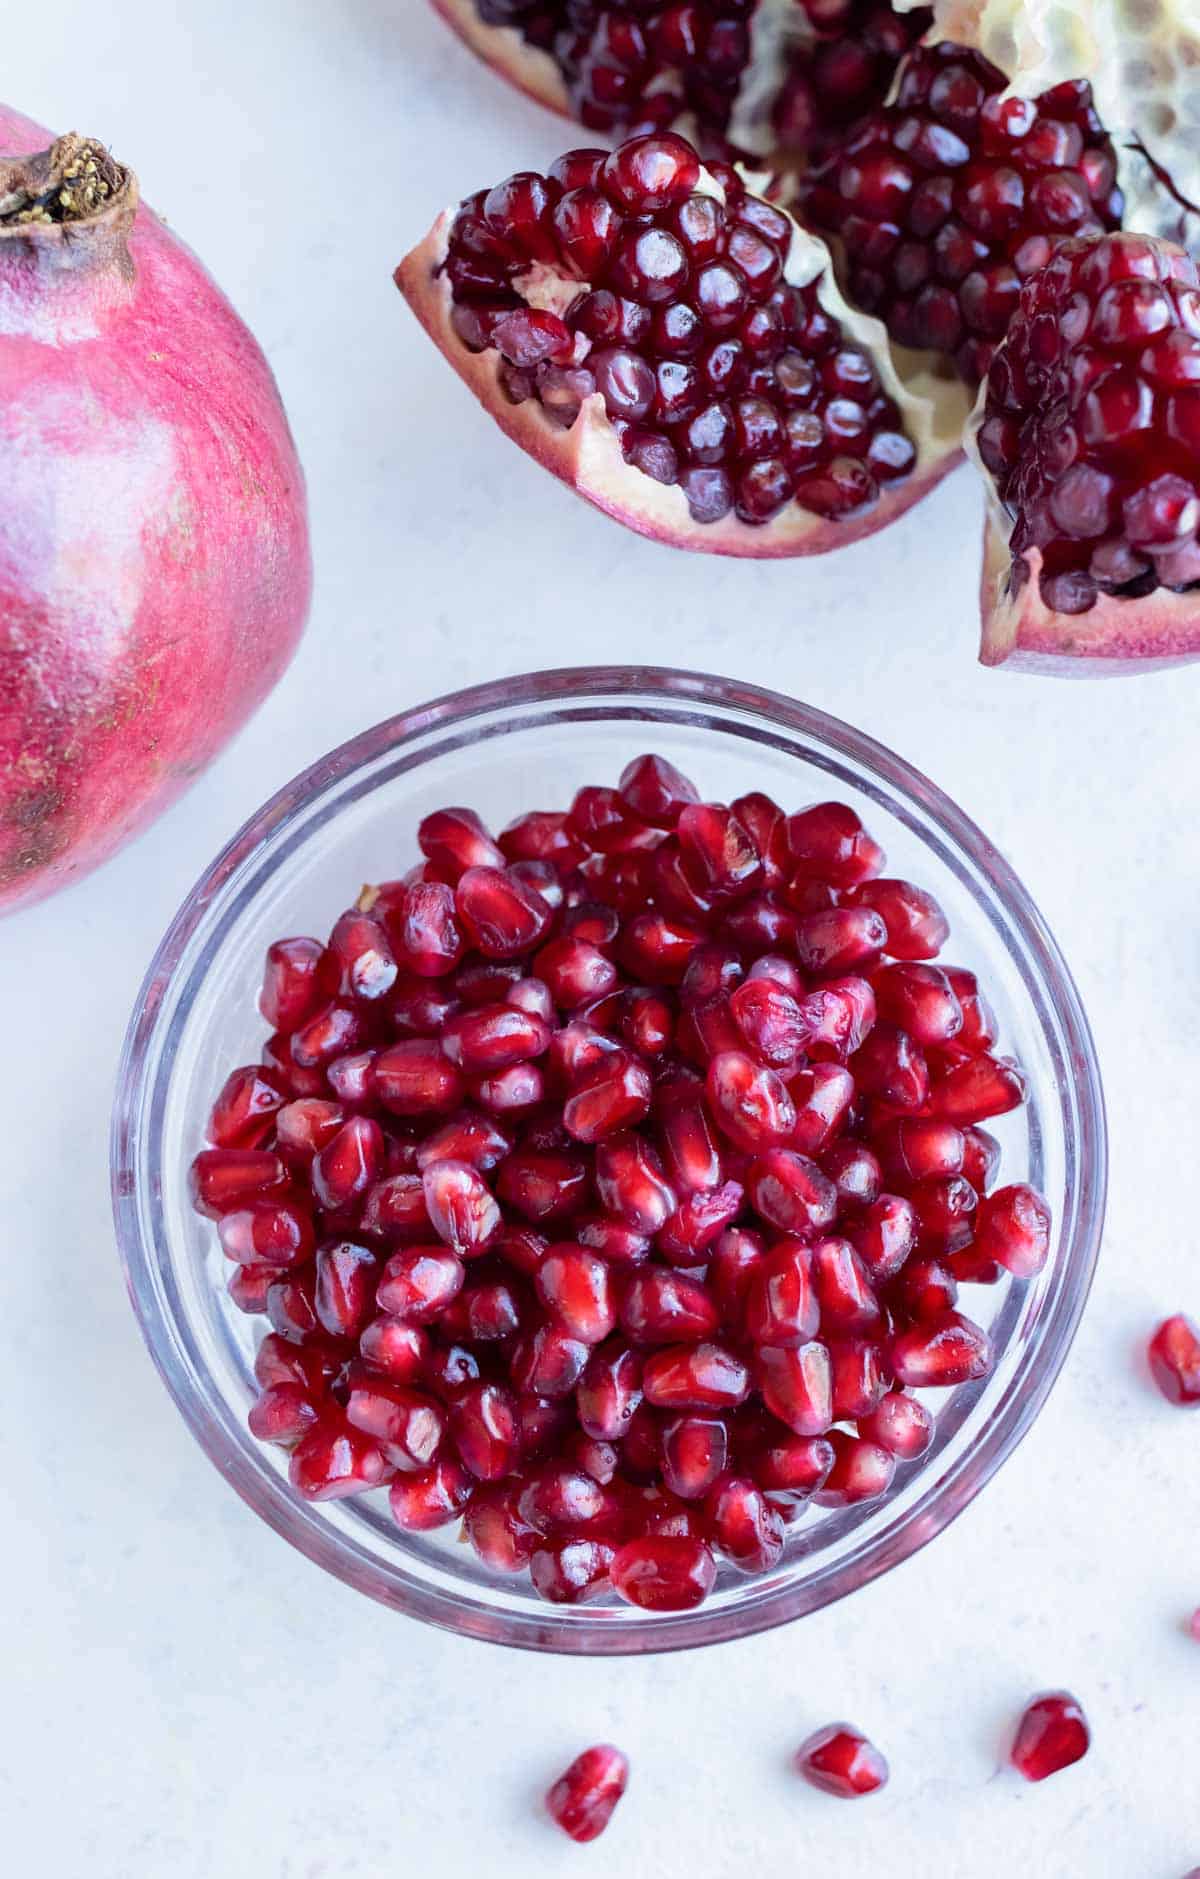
x: 611, y: 1160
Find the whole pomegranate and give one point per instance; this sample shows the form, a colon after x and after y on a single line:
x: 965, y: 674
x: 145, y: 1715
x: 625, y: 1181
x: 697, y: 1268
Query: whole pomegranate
x: 154, y: 561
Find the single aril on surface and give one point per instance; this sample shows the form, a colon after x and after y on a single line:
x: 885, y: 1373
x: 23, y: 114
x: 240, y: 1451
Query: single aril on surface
x: 841, y: 1761
x: 1174, y: 1353
x: 752, y: 75
x: 154, y: 558
x: 1088, y: 432
x: 582, y: 1800
x: 674, y: 346
x: 627, y: 1329
x: 1051, y: 1735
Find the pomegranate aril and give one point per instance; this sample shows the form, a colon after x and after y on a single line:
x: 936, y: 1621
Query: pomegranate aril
x: 406, y: 1424
x: 1052, y: 1734
x: 612, y: 1096
x: 334, y: 1032
x: 941, y: 1352
x: 344, y: 1170
x: 345, y: 1287
x: 837, y: 1016
x: 395, y: 1209
x: 861, y: 1375
x: 399, y: 1350
x: 483, y: 1425
x: 695, y: 1376
x: 501, y: 914
x: 688, y: 1149
x: 418, y: 1283
x: 749, y: 1103
x: 543, y: 1186
x: 916, y: 926
x: 843, y: 1287
x: 839, y: 940
x: 695, y: 1452
x: 304, y: 1127
x: 829, y: 843
x: 685, y: 1238
x: 414, y: 1078
x: 981, y: 1159
x: 431, y: 1498
x: 919, y: 1149
x: 1174, y: 1353
x: 892, y: 1067
x: 455, y: 840
x: 1013, y: 1228
x: 899, y: 1424
x: 792, y: 1465
x: 855, y: 1172
x: 841, y: 1761
x: 364, y: 953
x: 656, y: 947
x: 781, y: 1307
x: 493, y: 1037
x: 744, y: 1526
x: 245, y: 1110
x: 550, y: 1361
x: 609, y: 1393
x: 664, y: 1573
x: 282, y: 1414
x: 300, y: 977
x: 945, y: 1211
x: 276, y: 1235
x: 576, y: 1287
x: 862, y: 1471
x: 884, y: 1235
x: 631, y: 1184
x: 226, y: 1179
x: 822, y: 1096
x: 926, y: 1289
x: 771, y: 1020
x: 789, y: 1192
x: 920, y: 1000
x: 335, y: 1460
x: 655, y: 792
x: 567, y: 1500
x: 582, y: 1800
x: 974, y: 1091
x: 797, y: 1386
x: 310, y: 1366
x: 461, y: 1206
x: 291, y: 1307
x: 470, y: 1137
x: 568, y: 1572
x: 501, y: 1536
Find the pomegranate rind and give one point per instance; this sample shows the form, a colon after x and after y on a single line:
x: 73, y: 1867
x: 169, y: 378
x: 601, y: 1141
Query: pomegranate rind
x: 502, y: 47
x: 588, y: 457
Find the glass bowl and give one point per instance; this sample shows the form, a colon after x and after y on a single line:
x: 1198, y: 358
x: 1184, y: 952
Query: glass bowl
x: 503, y: 748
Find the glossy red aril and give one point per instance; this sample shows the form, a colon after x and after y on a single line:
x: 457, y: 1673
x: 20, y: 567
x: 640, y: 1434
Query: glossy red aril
x: 1174, y: 1353
x: 840, y: 1760
x: 594, y: 1248
x: 582, y: 1800
x: 1052, y: 1734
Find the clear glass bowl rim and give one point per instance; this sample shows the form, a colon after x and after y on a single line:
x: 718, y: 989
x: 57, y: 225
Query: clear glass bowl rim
x: 134, y: 1112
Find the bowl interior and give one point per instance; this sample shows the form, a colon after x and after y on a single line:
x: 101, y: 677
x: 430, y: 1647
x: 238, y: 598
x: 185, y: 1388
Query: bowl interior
x: 504, y: 750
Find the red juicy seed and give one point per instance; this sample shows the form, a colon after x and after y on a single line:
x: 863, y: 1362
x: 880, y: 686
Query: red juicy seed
x: 461, y: 1206
x: 840, y: 940
x: 612, y: 1239
x: 749, y: 1103
x: 981, y: 1158
x: 1013, y: 1228
x: 695, y: 1451
x: 343, y: 1171
x: 650, y: 173
x: 657, y: 947
x: 550, y: 1362
x: 399, y: 1350
x: 771, y: 1020
x: 431, y: 1498
x: 745, y: 1528
x: 940, y: 1353
x: 631, y: 1183
x: 684, y: 1239
x: 510, y: 1092
x: 884, y: 1235
x: 717, y: 851
x: 602, y: 820
x: 418, y: 1283
x: 223, y: 1179
x: 829, y: 843
x: 244, y: 1112
x: 978, y: 1089
x: 647, y: 1023
x: 666, y: 1308
x: 838, y: 1016
x: 688, y: 1149
x: 566, y: 1500
x: 841, y: 1761
x: 581, y: 1802
x: 543, y: 1186
x: 395, y: 1210
x: 334, y: 1032
x: 541, y: 836
x: 945, y: 1211
x: 822, y: 1096
x: 890, y: 1066
x: 899, y: 1424
x: 483, y: 1423
x: 300, y: 977
x: 797, y: 1387
x: 916, y: 926
x: 664, y: 1573
x: 737, y: 1256
x: 345, y: 1288
x: 614, y: 1095
x: 609, y: 1393
x: 492, y: 1037
x: 695, y: 1376
x: 1052, y: 1734
x: 501, y: 1536
x: 365, y: 955
x: 790, y: 1192
x: 862, y: 1471
x: 305, y: 1127
x: 468, y: 1137
x: 335, y: 1460
x: 571, y: 1571
x: 415, y: 1079
x: 1174, y: 1353
x: 927, y: 1289
x: 843, y: 1287
x: 455, y: 839
x: 919, y: 1149
x: 575, y: 971
x: 861, y: 1375
x: 921, y: 1000
x: 407, y: 1425
x: 267, y: 1235
x: 310, y: 1366
x: 792, y: 1465
x: 781, y: 1307
x: 282, y: 1414
x: 430, y: 938
x: 855, y: 1172
x: 576, y: 1287
x: 501, y: 915
x: 291, y: 1307
x: 655, y: 792
x: 352, y: 1079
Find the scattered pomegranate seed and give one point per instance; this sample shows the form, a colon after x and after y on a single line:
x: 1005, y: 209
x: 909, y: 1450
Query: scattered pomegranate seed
x: 1174, y: 1354
x: 581, y: 1802
x: 616, y: 1207
x: 839, y: 1760
x: 1051, y: 1735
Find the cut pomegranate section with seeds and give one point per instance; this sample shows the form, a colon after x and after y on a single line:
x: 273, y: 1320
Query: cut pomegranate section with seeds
x: 1052, y: 1734
x: 581, y: 1801
x: 841, y: 1761
x: 629, y: 1315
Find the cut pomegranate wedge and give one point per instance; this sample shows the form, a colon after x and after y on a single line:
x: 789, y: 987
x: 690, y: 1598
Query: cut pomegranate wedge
x: 750, y: 75
x: 675, y: 347
x: 1088, y: 431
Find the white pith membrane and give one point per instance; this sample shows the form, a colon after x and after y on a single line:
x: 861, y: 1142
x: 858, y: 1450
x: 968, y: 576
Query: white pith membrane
x: 587, y: 454
x: 1142, y: 58
x: 503, y: 47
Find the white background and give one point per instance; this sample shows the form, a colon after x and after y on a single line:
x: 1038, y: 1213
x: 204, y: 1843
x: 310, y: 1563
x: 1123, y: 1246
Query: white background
x: 185, y: 1696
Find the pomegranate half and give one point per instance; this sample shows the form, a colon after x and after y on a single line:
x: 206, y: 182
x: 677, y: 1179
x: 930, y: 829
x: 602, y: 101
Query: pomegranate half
x: 675, y: 347
x: 154, y: 559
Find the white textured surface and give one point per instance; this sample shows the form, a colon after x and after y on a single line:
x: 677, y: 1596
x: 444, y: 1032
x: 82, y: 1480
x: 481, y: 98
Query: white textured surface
x: 183, y: 1694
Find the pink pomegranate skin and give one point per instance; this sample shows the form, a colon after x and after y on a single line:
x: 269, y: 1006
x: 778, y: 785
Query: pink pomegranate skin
x: 154, y: 560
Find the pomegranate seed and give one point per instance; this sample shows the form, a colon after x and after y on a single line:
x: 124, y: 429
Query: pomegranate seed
x: 609, y: 1393
x: 695, y: 1376
x: 576, y: 1286
x: 334, y: 1460
x: 664, y: 1573
x: 408, y: 1426
x: 884, y: 1235
x: 781, y: 1307
x: 335, y: 1032
x: 843, y: 1287
x: 493, y: 1037
x: 901, y: 1425
x: 1052, y: 1734
x: 245, y: 1110
x: 749, y: 1103
x: 418, y: 1283
x: 291, y: 1306
x: 862, y: 1471
x: 890, y: 1066
x: 841, y: 1761
x: 745, y: 1528
x: 685, y: 1238
x: 920, y: 1000
x: 455, y: 840
x: 945, y: 1211
x: 461, y: 1206
x: 395, y: 1209
x: 695, y: 1451
x: 550, y: 1361
x: 736, y: 1258
x: 982, y: 1087
x: 631, y: 1183
x: 415, y: 1079
x: 838, y: 1015
x: 656, y: 947
x: 855, y: 1172
x: 1013, y: 1228
x: 655, y: 792
x: 282, y: 1414
x: 981, y: 1158
x: 345, y: 1288
x: 916, y: 926
x: 566, y: 1500
x: 612, y: 1239
x: 861, y: 1375
x: 612, y: 1096
x: 349, y: 1165
x: 267, y: 1235
x: 430, y: 1498
x: 501, y: 915
x: 305, y: 1127
x: 797, y: 1387
x: 839, y: 940
x: 300, y: 977
x: 581, y: 1801
x: 790, y: 1192
x: 666, y: 1308
x: 927, y: 1289
x: 941, y: 1352
x: 227, y: 1179
x: 545, y: 1187
x: 502, y: 1538
x: 483, y: 1423
x: 568, y: 1572
x: 399, y: 1350
x: 822, y: 1096
x: 364, y: 953
x: 829, y: 843
x: 1174, y: 1353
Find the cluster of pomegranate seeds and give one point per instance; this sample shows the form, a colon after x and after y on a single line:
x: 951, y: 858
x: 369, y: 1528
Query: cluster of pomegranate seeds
x: 1052, y: 1734
x: 951, y: 197
x: 582, y: 1800
x: 717, y: 374
x: 842, y: 1762
x: 610, y: 1184
x: 1091, y: 427
x: 633, y: 65
x: 1174, y: 1354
